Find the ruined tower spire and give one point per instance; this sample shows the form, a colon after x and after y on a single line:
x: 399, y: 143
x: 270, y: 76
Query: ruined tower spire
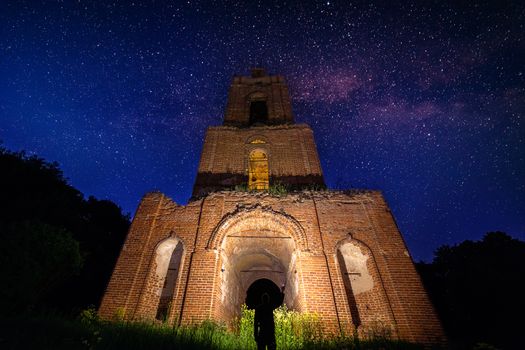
x: 259, y: 145
x: 258, y: 99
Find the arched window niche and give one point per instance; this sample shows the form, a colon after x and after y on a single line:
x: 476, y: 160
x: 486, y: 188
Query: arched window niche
x: 369, y: 308
x: 168, y: 263
x: 258, y: 171
x: 356, y: 277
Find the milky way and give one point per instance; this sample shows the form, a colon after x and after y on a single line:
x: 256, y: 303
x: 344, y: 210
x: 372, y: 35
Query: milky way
x: 423, y: 100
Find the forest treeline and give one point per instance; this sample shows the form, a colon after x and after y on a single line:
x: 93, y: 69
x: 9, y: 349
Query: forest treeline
x: 478, y: 290
x: 58, y: 249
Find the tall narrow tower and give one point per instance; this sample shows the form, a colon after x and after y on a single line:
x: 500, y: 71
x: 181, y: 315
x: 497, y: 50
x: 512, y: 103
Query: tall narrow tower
x: 259, y: 144
x: 336, y: 253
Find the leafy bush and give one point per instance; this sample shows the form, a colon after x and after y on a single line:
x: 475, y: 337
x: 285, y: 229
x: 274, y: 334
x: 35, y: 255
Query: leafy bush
x: 244, y: 327
x: 278, y: 190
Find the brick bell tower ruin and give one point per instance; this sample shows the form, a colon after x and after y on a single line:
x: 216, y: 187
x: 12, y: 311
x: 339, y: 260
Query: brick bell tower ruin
x: 338, y: 253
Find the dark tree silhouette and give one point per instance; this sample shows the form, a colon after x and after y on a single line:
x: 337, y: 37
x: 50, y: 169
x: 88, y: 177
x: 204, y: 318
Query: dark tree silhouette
x: 478, y: 289
x: 34, y: 258
x: 36, y: 194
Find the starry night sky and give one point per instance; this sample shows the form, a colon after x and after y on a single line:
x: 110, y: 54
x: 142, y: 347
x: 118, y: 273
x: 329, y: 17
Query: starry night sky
x: 423, y: 100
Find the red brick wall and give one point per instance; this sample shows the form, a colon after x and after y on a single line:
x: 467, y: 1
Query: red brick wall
x: 327, y: 219
x: 275, y: 92
x: 292, y: 156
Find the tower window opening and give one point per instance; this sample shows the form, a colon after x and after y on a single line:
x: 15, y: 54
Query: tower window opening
x: 258, y: 172
x: 258, y: 112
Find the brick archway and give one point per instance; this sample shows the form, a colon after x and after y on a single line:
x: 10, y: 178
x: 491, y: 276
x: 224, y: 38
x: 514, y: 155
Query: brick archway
x: 257, y: 243
x: 263, y: 218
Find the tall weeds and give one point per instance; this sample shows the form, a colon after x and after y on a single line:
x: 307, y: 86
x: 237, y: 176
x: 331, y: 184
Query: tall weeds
x: 293, y: 331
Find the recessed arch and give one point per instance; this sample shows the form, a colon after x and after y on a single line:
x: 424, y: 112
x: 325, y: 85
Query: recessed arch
x: 362, y: 286
x: 360, y: 243
x: 258, y: 107
x: 168, y: 258
x: 257, y: 243
x: 258, y: 170
x: 258, y: 218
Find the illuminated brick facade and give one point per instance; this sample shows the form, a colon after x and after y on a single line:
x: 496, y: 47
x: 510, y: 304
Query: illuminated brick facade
x: 339, y: 254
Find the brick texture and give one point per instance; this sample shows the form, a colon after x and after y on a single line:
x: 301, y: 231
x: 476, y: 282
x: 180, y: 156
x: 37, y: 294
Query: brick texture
x: 338, y: 254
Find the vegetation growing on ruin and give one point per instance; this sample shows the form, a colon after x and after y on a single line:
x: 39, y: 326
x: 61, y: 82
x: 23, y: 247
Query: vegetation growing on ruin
x: 279, y: 189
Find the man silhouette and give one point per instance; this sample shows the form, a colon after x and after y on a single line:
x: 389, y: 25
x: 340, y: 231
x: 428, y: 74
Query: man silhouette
x: 264, y: 325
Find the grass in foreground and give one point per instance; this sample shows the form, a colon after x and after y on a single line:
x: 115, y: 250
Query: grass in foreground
x: 293, y: 331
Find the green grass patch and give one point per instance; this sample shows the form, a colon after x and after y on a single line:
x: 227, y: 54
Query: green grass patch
x: 293, y: 331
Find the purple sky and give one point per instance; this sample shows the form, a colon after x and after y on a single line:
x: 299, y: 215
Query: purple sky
x: 422, y: 100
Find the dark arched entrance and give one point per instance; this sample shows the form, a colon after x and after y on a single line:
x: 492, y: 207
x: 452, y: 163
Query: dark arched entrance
x: 258, y: 288
x: 249, y: 252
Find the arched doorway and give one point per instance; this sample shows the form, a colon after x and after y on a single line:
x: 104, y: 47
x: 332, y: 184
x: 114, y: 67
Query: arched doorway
x: 258, y: 288
x: 259, y: 264
x: 254, y: 245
